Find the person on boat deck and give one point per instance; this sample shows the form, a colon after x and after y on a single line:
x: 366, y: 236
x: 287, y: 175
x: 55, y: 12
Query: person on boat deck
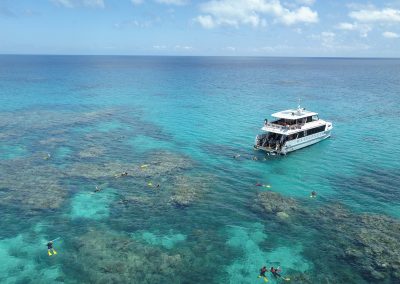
x: 265, y: 121
x: 275, y: 271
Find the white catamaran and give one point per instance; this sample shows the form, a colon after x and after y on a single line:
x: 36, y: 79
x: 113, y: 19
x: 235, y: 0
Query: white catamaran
x: 294, y: 129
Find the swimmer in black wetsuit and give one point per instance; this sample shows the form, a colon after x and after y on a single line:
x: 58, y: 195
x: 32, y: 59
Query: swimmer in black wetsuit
x: 275, y: 272
x: 50, y: 248
x: 262, y: 273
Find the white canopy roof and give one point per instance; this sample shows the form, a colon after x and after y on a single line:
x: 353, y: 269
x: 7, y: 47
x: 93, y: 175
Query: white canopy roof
x: 293, y: 113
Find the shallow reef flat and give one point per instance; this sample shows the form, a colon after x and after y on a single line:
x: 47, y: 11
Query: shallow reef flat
x: 108, y: 257
x: 31, y: 184
x: 365, y: 242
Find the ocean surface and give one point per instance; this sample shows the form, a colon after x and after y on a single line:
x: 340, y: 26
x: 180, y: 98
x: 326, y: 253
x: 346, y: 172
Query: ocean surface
x: 188, y: 211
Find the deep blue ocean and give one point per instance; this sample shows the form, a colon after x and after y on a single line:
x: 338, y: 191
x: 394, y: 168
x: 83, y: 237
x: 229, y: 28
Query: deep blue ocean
x: 188, y: 211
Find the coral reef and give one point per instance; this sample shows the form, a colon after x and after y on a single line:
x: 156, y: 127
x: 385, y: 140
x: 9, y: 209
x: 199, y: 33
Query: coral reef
x: 35, y: 186
x: 370, y: 241
x: 105, y: 257
x: 188, y: 189
x: 274, y: 203
x: 92, y: 152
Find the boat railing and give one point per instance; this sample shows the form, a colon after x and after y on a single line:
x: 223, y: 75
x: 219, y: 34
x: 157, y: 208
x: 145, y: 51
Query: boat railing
x: 283, y: 127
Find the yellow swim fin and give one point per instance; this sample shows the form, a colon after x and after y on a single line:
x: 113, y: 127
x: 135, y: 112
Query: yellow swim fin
x: 265, y: 279
x: 54, y: 251
x: 49, y: 252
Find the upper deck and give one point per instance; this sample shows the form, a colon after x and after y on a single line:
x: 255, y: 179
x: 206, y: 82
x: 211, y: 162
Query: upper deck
x: 293, y: 114
x: 291, y: 129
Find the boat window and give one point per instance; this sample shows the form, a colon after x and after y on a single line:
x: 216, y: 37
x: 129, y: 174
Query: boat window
x: 315, y: 117
x: 315, y: 130
x: 300, y: 134
x: 309, y: 118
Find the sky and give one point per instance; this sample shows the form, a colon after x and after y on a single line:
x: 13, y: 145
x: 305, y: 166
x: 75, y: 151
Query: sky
x: 332, y: 28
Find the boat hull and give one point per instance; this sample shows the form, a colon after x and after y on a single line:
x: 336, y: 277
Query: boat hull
x: 297, y: 144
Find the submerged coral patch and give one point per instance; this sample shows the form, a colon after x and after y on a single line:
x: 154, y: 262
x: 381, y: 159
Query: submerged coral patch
x: 366, y: 242
x: 167, y: 241
x: 33, y: 186
x: 107, y: 257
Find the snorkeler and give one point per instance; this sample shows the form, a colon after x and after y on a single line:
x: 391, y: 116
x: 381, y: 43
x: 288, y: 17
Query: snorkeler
x: 275, y: 271
x: 263, y: 185
x: 236, y: 156
x: 97, y: 189
x: 50, y: 248
x: 123, y: 174
x: 262, y: 273
x: 313, y: 194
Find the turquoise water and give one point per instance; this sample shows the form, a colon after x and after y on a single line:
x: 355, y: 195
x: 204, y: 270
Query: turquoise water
x: 69, y: 124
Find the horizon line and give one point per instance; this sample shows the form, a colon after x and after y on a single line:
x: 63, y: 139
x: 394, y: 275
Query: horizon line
x: 184, y: 55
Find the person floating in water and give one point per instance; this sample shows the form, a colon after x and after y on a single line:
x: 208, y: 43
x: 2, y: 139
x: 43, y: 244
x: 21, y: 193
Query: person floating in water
x: 97, y: 189
x: 263, y: 185
x: 50, y: 248
x: 123, y: 174
x: 313, y: 194
x: 262, y: 273
x: 275, y: 271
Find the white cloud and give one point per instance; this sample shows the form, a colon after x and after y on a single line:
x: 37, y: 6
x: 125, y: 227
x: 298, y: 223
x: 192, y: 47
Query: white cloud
x: 390, y: 35
x: 134, y: 24
x: 77, y: 3
x: 373, y: 15
x: 159, y: 46
x: 184, y: 47
x: 301, y: 15
x: 206, y: 21
x: 173, y: 2
x: 347, y: 26
x: 328, y: 34
x: 230, y: 48
x: 363, y: 29
x: 251, y: 12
